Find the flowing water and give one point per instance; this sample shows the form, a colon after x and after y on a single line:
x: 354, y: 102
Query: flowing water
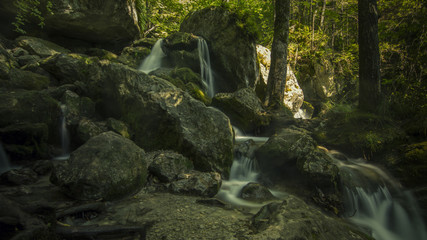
x: 377, y: 203
x: 65, y: 136
x: 4, y: 161
x: 243, y: 171
x: 205, y: 66
x: 154, y: 60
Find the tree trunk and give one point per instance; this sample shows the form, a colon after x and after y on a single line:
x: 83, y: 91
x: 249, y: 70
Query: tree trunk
x: 369, y: 56
x: 322, y: 15
x: 279, y: 52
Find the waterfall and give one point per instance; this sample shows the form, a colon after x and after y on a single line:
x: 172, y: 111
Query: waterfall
x: 205, y: 66
x: 65, y: 137
x: 374, y: 201
x: 243, y: 171
x: 4, y: 161
x: 154, y: 60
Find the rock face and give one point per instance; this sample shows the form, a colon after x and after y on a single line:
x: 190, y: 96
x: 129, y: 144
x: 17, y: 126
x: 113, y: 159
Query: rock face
x: 294, y: 219
x: 107, y: 166
x: 294, y: 96
x: 232, y: 51
x: 292, y: 151
x: 111, y: 22
x: 163, y: 116
x: 243, y: 108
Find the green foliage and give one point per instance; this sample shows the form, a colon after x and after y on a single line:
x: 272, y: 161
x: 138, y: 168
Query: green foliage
x: 28, y: 9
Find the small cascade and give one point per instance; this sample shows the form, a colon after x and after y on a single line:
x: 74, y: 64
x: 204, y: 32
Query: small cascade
x: 377, y: 203
x: 65, y: 137
x: 4, y: 161
x: 154, y: 60
x: 205, y: 66
x: 243, y: 171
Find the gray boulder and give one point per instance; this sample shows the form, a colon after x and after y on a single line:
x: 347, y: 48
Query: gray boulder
x: 232, y: 49
x: 294, y: 219
x: 197, y: 183
x: 256, y: 192
x: 111, y: 22
x: 162, y: 116
x: 106, y: 167
x: 283, y: 149
x: 168, y: 165
x: 244, y: 109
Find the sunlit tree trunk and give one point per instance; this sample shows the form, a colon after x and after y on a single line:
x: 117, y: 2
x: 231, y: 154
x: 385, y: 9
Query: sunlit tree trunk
x: 369, y: 56
x: 279, y: 51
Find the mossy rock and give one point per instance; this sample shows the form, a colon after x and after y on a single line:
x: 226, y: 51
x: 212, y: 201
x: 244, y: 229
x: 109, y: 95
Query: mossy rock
x: 20, y: 79
x: 358, y: 133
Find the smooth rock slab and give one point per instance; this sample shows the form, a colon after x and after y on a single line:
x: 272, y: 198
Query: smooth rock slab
x: 106, y: 167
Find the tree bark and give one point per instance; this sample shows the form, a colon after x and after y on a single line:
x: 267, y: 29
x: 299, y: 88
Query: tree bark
x: 279, y: 52
x: 369, y: 56
x: 322, y: 15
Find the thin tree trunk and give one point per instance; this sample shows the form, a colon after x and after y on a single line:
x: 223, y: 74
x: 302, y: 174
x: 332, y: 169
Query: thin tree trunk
x: 312, y: 29
x: 369, y: 56
x: 322, y: 15
x: 279, y: 52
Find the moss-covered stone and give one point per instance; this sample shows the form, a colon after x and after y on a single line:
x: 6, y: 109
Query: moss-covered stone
x: 106, y: 167
x: 118, y: 127
x: 244, y: 109
x: 133, y: 56
x: 357, y: 132
x: 20, y: 79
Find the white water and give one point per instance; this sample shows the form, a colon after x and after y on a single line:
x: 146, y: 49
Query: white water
x: 243, y: 171
x: 154, y: 60
x: 205, y: 66
x: 4, y: 161
x: 65, y: 136
x: 374, y: 201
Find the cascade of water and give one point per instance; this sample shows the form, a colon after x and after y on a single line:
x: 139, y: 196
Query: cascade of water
x: 205, y: 66
x: 4, y: 161
x: 65, y: 137
x: 154, y: 60
x: 243, y: 171
x: 369, y: 202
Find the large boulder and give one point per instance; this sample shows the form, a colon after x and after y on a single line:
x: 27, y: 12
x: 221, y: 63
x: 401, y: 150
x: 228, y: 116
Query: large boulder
x: 294, y: 219
x: 110, y: 23
x: 293, y: 94
x: 282, y: 150
x: 163, y: 116
x: 244, y: 109
x: 106, y: 167
x: 232, y: 49
x: 106, y: 22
